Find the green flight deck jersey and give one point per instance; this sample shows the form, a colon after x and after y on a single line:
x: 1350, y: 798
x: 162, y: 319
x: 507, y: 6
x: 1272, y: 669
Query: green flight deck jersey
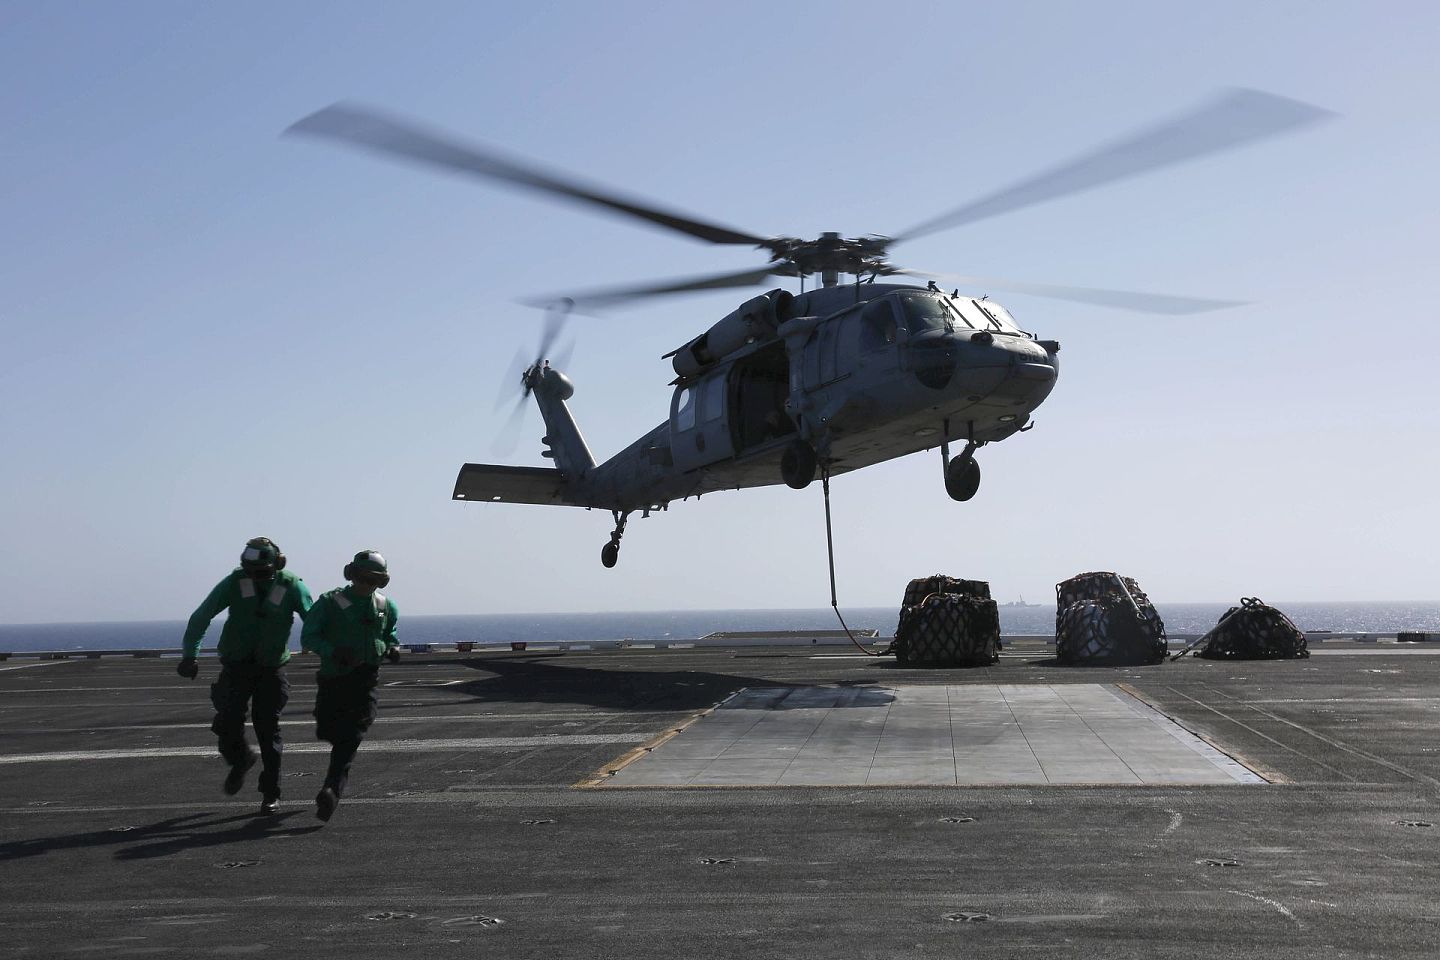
x: 342, y: 620
x: 261, y: 613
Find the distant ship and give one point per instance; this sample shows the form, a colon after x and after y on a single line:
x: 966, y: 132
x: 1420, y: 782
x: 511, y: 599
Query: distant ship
x: 1019, y: 603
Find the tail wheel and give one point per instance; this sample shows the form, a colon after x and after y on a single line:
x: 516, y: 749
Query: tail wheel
x: 797, y: 465
x: 962, y: 478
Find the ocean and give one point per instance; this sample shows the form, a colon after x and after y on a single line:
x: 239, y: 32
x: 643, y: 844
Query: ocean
x: 682, y: 625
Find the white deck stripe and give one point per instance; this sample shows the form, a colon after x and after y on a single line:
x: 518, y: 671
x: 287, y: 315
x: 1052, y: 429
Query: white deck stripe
x: 203, y: 684
x: 370, y: 746
x: 575, y: 718
x: 1387, y: 651
x: 40, y: 663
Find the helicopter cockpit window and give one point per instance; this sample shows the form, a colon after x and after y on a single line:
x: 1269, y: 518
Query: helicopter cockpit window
x: 994, y: 316
x: 877, y: 326
x: 964, y: 319
x: 1001, y: 316
x: 924, y: 312
x: 685, y: 409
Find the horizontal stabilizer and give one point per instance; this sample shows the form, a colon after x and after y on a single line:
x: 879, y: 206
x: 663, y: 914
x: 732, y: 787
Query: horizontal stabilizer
x: 491, y: 483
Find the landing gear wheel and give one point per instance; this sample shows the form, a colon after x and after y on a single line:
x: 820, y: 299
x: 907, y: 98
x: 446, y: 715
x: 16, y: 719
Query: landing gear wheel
x: 797, y: 465
x: 962, y: 478
x: 610, y: 553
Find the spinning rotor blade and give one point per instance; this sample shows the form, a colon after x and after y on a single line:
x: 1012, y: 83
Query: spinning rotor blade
x: 1234, y: 119
x: 561, y: 360
x: 509, y: 436
x: 513, y: 370
x: 1122, y: 299
x: 555, y: 316
x: 374, y: 131
x: 614, y: 295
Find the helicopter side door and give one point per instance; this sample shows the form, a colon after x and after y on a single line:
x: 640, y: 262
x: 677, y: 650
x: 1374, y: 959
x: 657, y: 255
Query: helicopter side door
x: 861, y: 341
x: 871, y: 337
x: 700, y: 421
x: 819, y: 357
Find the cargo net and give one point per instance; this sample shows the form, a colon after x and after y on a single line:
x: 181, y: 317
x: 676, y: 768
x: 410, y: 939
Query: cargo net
x: 1104, y: 618
x: 945, y: 622
x: 1254, y: 631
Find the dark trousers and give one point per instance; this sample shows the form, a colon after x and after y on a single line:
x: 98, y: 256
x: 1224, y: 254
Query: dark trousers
x: 264, y: 691
x: 345, y: 706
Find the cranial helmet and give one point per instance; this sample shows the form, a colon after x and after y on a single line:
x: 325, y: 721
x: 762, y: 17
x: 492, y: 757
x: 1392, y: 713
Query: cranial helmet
x: 368, y: 562
x: 261, y: 558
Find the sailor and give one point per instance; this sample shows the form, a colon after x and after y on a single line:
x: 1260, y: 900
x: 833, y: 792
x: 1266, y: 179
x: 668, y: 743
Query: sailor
x: 352, y: 628
x: 263, y: 598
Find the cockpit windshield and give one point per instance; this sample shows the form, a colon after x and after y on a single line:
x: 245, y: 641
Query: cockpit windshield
x: 984, y: 314
x: 924, y: 311
x: 929, y: 311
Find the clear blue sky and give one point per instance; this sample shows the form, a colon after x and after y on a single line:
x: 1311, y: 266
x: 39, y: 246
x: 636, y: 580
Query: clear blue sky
x: 211, y: 332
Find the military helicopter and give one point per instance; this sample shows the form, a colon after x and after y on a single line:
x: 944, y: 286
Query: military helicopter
x: 830, y: 380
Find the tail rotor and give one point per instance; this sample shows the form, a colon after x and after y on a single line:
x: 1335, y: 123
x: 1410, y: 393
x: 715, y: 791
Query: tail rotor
x: 523, y: 371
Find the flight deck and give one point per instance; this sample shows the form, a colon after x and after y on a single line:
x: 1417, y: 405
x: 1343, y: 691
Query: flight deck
x: 748, y: 800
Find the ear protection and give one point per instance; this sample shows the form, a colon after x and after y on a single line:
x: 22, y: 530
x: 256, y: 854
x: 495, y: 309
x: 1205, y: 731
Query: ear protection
x: 262, y: 552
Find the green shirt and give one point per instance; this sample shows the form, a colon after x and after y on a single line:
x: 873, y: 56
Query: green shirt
x: 348, y: 630
x: 261, y: 612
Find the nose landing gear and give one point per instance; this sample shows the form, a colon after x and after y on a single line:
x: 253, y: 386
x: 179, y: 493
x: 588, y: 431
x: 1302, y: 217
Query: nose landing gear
x: 962, y: 477
x: 610, y: 553
x: 962, y: 474
x: 797, y: 465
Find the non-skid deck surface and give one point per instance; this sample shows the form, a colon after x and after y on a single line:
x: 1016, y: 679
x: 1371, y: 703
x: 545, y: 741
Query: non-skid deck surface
x: 963, y: 734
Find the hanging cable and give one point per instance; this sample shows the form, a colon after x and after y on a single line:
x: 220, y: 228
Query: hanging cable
x: 830, y: 550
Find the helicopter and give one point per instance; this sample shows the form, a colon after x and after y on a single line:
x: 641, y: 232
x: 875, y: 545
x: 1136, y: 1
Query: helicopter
x: 830, y: 380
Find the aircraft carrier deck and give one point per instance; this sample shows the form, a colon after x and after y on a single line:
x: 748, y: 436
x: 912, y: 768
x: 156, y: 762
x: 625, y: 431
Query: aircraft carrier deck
x: 755, y: 801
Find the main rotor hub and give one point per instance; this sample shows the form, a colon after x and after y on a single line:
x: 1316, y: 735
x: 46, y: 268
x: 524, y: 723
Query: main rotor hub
x: 830, y: 255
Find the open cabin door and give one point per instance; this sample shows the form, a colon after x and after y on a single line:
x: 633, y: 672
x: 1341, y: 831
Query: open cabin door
x: 760, y: 385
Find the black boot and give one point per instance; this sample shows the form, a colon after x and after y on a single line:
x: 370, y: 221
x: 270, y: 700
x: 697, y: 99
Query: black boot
x: 235, y: 779
x: 325, y: 803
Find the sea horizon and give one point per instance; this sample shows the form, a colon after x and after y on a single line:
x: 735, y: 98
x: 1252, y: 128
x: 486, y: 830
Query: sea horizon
x: 1020, y: 602
x: 692, y: 624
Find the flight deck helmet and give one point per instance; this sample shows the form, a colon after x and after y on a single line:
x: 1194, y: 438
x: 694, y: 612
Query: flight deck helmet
x: 368, y: 563
x: 261, y: 558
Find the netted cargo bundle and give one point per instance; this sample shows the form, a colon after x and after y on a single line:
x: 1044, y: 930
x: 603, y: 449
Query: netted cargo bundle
x: 1106, y: 618
x: 921, y: 587
x: 948, y: 630
x: 1254, y: 631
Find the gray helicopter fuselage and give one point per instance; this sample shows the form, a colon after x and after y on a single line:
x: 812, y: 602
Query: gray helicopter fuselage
x: 862, y: 373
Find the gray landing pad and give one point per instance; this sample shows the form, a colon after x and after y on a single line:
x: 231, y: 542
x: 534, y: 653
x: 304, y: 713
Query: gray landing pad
x: 932, y: 735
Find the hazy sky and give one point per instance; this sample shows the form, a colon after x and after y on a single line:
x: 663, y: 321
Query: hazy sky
x: 212, y: 333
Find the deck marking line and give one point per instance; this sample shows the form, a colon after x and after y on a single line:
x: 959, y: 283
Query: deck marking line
x: 27, y: 666
x: 371, y: 746
x: 463, y: 718
x: 603, y: 775
x: 1221, y: 758
x: 1269, y: 903
x: 1270, y: 774
x: 1413, y: 775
